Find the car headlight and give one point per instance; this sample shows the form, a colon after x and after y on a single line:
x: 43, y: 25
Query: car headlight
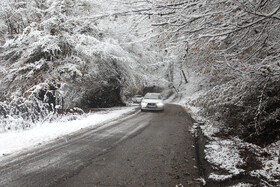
x: 143, y: 104
x: 160, y: 104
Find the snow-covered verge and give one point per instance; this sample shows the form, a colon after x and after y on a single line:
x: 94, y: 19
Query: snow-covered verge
x: 44, y: 132
x: 235, y: 162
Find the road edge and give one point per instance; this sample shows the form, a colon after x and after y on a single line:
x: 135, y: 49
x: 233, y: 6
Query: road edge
x: 204, y: 167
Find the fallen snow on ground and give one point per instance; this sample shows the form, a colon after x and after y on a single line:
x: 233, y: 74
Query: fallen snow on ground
x: 242, y: 185
x: 271, y: 164
x: 210, y: 130
x: 217, y: 177
x: 225, y: 154
x: 271, y: 169
x: 42, y: 133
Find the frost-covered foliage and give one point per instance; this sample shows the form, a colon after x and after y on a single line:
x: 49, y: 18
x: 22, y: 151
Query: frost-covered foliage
x: 19, y: 113
x: 70, y: 54
x: 231, y: 36
x: 235, y: 44
x: 248, y: 109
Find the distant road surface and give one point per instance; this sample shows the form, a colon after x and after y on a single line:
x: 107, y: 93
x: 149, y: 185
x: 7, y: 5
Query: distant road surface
x: 144, y: 149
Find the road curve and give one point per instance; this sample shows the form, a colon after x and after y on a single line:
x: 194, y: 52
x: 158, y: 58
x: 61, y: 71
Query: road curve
x: 145, y: 149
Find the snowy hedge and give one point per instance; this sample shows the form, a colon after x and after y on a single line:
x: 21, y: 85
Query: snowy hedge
x: 21, y: 114
x: 249, y: 109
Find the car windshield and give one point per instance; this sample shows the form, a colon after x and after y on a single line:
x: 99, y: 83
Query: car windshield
x: 152, y: 96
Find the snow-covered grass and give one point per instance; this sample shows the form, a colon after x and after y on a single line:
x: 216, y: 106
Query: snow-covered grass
x: 225, y: 153
x: 271, y: 165
x: 42, y: 133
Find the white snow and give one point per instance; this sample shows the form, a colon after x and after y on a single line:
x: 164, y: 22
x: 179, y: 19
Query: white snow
x: 271, y: 169
x: 14, y: 141
x: 219, y: 177
x: 271, y: 164
x: 242, y: 185
x: 223, y: 153
x: 202, y: 180
x: 210, y: 130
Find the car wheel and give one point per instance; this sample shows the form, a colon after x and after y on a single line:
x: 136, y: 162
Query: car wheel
x: 142, y: 110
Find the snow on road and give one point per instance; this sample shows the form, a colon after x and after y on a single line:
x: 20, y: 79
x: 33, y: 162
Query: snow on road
x: 14, y: 141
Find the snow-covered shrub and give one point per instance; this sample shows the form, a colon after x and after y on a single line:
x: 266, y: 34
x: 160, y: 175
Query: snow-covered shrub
x: 21, y: 113
x: 61, y: 41
x: 249, y: 109
x: 54, y: 53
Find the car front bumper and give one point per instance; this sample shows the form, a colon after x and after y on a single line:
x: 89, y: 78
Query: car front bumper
x: 154, y: 107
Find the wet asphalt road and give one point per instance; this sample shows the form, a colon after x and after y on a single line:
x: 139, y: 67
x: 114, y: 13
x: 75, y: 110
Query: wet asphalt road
x: 145, y: 149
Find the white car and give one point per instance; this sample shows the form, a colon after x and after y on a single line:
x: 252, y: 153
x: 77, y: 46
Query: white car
x: 137, y: 98
x: 152, y: 101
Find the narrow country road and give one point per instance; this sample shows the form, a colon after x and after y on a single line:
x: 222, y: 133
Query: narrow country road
x: 144, y: 149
